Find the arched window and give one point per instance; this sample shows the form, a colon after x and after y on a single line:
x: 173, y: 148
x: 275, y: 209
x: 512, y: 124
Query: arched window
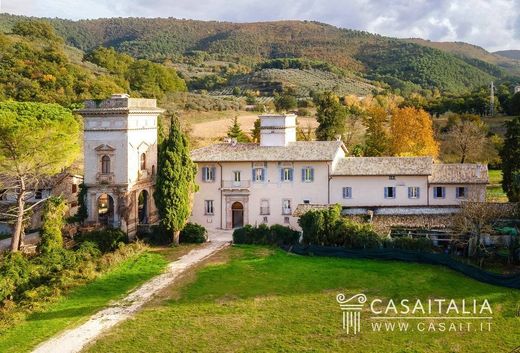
x: 105, y: 164
x: 153, y: 170
x: 143, y: 161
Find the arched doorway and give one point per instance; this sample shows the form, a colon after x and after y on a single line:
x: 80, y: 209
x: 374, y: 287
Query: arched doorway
x: 237, y: 215
x: 142, y: 207
x: 105, y: 209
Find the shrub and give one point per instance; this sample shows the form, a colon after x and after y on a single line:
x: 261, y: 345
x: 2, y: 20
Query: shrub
x: 106, y: 240
x: 318, y: 226
x: 265, y: 235
x: 193, y: 233
x: 406, y: 243
x: 283, y: 235
x: 327, y: 227
x: 14, y: 274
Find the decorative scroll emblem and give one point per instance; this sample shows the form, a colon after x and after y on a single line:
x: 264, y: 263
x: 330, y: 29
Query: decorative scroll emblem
x: 351, y: 308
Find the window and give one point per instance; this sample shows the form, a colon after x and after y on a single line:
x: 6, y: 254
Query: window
x: 413, y: 192
x: 74, y: 188
x: 153, y: 170
x: 286, y: 174
x: 143, y: 161
x: 208, y: 174
x: 438, y: 192
x: 390, y: 192
x: 347, y: 192
x: 286, y: 206
x: 306, y: 202
x: 208, y: 207
x: 308, y: 174
x: 265, y: 220
x: 286, y: 220
x: 38, y: 194
x: 461, y: 192
x: 391, y: 177
x: 236, y: 176
x: 258, y: 174
x: 264, y: 207
x: 105, y: 165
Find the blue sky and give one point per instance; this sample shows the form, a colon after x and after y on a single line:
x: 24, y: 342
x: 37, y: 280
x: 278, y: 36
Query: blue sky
x: 492, y: 24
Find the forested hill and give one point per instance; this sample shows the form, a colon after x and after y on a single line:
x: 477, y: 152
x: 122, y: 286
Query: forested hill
x: 36, y: 65
x: 511, y: 54
x: 397, y: 62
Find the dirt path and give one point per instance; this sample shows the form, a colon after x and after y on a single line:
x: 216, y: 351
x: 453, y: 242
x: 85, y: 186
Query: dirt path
x: 75, y: 339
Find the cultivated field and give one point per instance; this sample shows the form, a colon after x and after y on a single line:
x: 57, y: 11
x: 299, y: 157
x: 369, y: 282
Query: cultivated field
x: 255, y: 299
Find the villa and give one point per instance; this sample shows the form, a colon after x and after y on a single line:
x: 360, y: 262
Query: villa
x: 244, y: 183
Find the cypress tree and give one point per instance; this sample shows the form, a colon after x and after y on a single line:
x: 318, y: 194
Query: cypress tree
x: 51, y: 236
x: 511, y: 160
x: 175, y: 181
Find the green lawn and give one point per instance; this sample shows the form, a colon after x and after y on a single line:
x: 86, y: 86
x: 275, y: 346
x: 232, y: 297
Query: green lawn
x: 82, y: 302
x: 258, y: 299
x: 494, y: 188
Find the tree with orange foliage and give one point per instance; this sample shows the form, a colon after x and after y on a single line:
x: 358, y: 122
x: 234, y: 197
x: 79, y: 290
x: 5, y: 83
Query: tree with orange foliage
x: 411, y: 133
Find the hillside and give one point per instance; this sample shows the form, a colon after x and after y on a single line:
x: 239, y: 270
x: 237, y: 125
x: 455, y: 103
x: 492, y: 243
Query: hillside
x: 466, y: 51
x: 511, y: 54
x: 35, y: 65
x: 399, y: 63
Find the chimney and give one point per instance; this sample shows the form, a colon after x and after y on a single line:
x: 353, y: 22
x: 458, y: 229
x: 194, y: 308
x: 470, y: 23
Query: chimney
x: 277, y: 130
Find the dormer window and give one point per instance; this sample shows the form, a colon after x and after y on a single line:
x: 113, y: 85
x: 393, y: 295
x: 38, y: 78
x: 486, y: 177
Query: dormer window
x: 105, y: 164
x: 143, y: 161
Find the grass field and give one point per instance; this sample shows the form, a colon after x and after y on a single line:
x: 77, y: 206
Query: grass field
x: 494, y: 191
x: 254, y: 299
x: 84, y: 301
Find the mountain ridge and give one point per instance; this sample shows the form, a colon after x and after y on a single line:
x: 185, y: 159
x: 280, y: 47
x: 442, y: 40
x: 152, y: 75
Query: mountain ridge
x: 401, y: 63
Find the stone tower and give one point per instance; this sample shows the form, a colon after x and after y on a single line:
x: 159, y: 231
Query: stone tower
x: 120, y: 161
x: 277, y: 130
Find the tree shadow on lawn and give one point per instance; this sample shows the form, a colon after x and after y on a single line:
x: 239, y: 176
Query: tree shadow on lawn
x: 68, y: 313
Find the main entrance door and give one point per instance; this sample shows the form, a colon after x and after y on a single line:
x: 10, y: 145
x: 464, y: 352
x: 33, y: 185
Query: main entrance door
x: 237, y: 215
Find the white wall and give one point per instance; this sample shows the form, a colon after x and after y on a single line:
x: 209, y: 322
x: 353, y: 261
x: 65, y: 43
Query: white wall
x: 272, y: 189
x: 475, y: 192
x: 368, y: 191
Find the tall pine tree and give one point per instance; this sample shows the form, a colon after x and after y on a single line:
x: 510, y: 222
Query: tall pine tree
x: 511, y: 160
x: 175, y: 183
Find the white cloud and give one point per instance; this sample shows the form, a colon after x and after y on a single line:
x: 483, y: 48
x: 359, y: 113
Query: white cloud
x: 493, y: 24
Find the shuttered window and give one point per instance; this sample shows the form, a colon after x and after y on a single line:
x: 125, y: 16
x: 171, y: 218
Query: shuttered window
x: 308, y: 174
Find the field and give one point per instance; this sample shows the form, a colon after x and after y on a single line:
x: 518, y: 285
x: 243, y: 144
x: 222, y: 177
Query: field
x: 75, y: 307
x: 494, y: 191
x: 250, y: 299
x: 302, y: 81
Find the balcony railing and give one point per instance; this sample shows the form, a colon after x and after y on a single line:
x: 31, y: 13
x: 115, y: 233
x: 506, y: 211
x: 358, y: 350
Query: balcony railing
x: 105, y: 178
x: 286, y: 211
x: 232, y: 184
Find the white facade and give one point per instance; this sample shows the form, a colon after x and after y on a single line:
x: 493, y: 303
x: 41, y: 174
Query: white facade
x: 120, y: 160
x: 233, y: 192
